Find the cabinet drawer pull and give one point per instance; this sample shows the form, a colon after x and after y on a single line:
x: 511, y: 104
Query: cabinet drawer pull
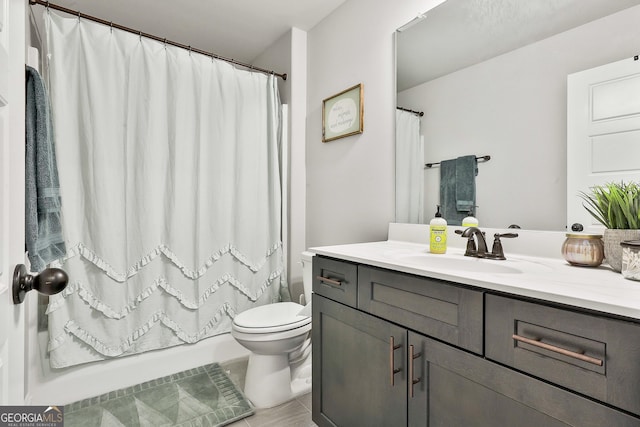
x: 392, y: 362
x: 329, y: 281
x: 412, y: 357
x: 559, y: 350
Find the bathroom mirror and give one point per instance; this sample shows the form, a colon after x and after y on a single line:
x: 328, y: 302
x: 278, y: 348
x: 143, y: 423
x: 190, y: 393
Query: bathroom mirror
x: 491, y: 79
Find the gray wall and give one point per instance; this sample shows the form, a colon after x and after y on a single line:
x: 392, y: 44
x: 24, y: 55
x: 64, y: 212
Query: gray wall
x: 350, y: 181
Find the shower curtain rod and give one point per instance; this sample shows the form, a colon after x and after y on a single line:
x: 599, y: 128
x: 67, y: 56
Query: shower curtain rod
x: 151, y: 36
x: 419, y: 113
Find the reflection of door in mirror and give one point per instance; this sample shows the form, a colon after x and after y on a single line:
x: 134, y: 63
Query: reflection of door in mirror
x: 603, y: 131
x: 409, y: 167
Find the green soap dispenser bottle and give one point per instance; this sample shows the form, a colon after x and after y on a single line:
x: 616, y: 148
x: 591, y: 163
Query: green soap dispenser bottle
x: 438, y: 234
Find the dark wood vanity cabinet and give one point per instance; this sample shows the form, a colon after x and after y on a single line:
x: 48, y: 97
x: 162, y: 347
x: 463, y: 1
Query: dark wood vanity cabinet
x: 457, y: 388
x: 355, y: 382
x: 406, y: 353
x: 432, y: 307
x: 594, y: 355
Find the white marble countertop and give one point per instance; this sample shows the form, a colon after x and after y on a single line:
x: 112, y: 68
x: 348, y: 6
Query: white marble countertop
x: 546, y: 278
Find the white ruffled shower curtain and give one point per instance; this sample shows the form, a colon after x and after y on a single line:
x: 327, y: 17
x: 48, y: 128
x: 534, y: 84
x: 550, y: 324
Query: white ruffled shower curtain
x: 171, y: 194
x: 409, y: 168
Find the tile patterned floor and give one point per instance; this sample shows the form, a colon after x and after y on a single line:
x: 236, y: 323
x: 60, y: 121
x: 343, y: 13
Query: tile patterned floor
x: 295, y: 413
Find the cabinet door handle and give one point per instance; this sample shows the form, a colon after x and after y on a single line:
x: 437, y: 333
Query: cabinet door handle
x: 412, y: 357
x: 329, y: 281
x: 538, y: 343
x: 392, y: 362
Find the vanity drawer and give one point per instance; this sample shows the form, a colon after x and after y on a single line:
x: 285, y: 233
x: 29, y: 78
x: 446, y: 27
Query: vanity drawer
x: 593, y: 355
x: 336, y: 280
x: 432, y: 307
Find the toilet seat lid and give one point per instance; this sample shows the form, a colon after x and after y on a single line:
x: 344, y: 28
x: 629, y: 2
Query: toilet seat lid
x: 272, y: 317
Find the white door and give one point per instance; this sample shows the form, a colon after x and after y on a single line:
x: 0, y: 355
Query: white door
x: 603, y: 132
x: 12, y: 323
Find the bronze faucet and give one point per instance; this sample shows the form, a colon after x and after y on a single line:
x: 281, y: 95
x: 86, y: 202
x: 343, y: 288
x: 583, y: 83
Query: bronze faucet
x: 474, y: 234
x: 478, y: 250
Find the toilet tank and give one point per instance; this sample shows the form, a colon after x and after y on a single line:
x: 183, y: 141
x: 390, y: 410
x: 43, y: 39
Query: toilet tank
x: 307, y: 275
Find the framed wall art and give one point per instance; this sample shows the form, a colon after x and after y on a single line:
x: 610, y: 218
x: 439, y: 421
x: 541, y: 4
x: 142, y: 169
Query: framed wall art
x: 343, y: 114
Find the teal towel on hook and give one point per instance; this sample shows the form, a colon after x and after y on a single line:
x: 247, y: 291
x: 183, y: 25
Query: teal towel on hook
x: 43, y: 225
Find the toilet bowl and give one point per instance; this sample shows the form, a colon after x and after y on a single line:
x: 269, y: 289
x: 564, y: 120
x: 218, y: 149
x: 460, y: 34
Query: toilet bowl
x: 279, y: 338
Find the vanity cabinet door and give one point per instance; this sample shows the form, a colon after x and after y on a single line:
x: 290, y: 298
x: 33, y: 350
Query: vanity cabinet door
x: 335, y: 279
x: 456, y: 388
x: 440, y: 309
x: 593, y: 355
x: 354, y: 360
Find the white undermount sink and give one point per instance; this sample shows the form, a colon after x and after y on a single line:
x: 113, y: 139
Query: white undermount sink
x: 457, y: 262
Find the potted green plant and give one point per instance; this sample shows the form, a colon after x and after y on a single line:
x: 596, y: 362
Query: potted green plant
x: 615, y: 205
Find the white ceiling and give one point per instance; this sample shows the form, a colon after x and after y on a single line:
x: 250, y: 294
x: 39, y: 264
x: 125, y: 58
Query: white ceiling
x: 238, y: 29
x: 460, y: 33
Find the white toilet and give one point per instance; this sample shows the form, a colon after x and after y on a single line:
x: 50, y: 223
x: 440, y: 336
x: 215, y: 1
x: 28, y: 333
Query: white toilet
x: 279, y: 338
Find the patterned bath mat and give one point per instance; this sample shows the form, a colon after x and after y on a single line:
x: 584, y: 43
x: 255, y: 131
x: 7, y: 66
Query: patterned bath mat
x: 201, y: 397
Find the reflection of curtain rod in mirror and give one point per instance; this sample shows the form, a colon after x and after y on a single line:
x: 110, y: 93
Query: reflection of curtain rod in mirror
x: 478, y: 158
x: 419, y: 113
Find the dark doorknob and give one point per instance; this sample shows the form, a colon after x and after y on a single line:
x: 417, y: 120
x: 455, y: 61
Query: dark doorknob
x: 49, y: 282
